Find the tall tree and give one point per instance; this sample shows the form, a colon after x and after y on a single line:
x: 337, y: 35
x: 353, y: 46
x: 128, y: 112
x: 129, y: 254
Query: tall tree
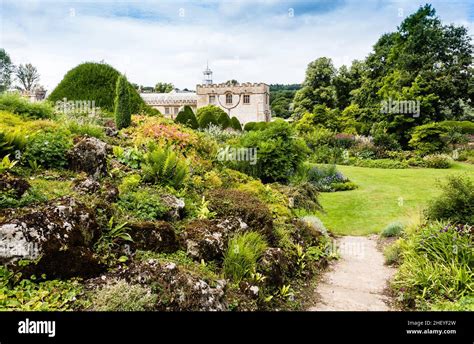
x: 232, y: 82
x: 317, y: 87
x: 163, y: 87
x: 346, y: 81
x: 423, y: 61
x: 6, y: 70
x: 28, y: 76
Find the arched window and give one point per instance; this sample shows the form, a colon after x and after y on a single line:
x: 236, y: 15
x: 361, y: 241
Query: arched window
x: 228, y: 98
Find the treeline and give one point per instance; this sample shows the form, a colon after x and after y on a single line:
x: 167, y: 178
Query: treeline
x: 421, y: 73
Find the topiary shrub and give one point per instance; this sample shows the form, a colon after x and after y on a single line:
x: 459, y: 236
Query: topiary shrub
x: 186, y: 117
x: 456, y: 202
x: 223, y: 120
x: 209, y: 114
x: 122, y: 112
x: 249, y: 126
x: 235, y: 124
x: 95, y: 82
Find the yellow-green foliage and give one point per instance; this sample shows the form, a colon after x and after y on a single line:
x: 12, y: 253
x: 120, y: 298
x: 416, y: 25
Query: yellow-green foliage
x: 276, y: 201
x: 19, y: 294
x: 10, y: 121
x: 242, y: 254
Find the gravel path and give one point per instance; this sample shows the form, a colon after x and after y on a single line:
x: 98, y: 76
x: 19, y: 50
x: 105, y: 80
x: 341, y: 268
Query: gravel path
x: 357, y: 280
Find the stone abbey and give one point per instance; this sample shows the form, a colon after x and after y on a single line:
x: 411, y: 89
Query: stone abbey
x: 249, y: 102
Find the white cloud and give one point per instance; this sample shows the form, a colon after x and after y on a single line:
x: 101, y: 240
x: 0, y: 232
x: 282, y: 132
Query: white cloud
x: 272, y: 48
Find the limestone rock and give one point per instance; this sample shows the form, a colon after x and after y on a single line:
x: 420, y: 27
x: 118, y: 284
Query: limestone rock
x: 179, y: 289
x: 9, y: 183
x: 89, y: 155
x: 207, y: 239
x: 175, y: 206
x: 154, y: 236
x: 87, y: 186
x: 60, y: 234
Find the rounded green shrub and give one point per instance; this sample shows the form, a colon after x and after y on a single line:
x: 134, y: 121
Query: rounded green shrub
x: 94, y: 82
x: 48, y: 149
x: 279, y: 152
x: 249, y: 126
x: 456, y: 202
x: 19, y: 105
x: 209, y: 114
x: 437, y: 161
x: 235, y: 124
x: 186, y: 117
x: 394, y: 229
x: 223, y: 120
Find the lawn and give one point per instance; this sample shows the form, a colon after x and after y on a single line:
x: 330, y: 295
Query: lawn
x: 383, y: 196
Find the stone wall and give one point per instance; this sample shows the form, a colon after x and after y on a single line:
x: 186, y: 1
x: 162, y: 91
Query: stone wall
x: 258, y: 95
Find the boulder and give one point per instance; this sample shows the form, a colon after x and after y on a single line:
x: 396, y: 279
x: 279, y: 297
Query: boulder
x: 154, y: 236
x: 110, y: 192
x: 243, y: 205
x: 175, y: 206
x: 89, y: 155
x: 87, y: 186
x: 110, y: 129
x: 59, y: 235
x: 207, y: 239
x: 179, y: 289
x: 16, y: 185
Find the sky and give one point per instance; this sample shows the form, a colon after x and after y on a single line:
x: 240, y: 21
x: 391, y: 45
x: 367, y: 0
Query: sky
x: 152, y: 41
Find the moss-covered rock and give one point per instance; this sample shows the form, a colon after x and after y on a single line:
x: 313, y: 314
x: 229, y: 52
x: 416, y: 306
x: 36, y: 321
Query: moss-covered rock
x: 245, y: 206
x: 158, y: 236
x: 16, y: 185
x: 179, y: 290
x: 89, y: 155
x: 58, y: 236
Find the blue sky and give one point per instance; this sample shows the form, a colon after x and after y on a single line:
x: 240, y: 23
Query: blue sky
x: 270, y: 41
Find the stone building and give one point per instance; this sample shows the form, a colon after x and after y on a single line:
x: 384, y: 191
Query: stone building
x: 249, y: 102
x: 170, y: 103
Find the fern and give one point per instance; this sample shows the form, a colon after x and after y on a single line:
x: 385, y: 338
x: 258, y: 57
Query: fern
x: 163, y: 166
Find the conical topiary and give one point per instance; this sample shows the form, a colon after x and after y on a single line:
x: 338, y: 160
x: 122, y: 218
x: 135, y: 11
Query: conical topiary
x: 123, y: 115
x: 235, y: 124
x: 186, y: 117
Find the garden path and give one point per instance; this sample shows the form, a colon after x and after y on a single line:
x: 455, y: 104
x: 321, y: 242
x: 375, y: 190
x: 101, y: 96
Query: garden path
x: 357, y: 281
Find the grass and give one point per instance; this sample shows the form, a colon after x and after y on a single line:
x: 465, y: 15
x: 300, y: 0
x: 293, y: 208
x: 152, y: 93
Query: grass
x: 383, y: 196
